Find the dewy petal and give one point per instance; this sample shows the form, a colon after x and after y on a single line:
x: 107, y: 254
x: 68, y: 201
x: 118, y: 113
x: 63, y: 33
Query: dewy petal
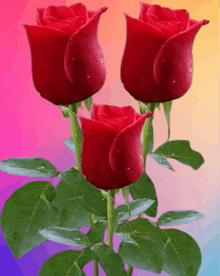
x: 126, y: 152
x: 173, y: 64
x: 97, y: 141
x: 39, y: 15
x: 143, y: 12
x: 142, y: 45
x: 47, y: 51
x: 83, y: 60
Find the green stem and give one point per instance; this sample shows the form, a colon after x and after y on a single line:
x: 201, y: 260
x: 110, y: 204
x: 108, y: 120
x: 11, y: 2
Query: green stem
x: 96, y: 267
x: 147, y: 137
x: 148, y: 134
x: 126, y: 194
x: 76, y: 134
x: 110, y: 209
x: 130, y: 270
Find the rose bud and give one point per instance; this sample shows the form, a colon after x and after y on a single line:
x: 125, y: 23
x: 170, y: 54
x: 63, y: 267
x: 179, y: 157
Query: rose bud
x: 157, y: 61
x: 67, y: 62
x: 111, y: 151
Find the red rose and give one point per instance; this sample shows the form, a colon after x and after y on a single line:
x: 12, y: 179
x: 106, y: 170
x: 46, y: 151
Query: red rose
x: 111, y: 151
x: 67, y: 63
x: 157, y: 61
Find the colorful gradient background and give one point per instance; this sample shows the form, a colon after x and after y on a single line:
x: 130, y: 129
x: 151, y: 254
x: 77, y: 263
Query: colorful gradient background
x: 32, y: 127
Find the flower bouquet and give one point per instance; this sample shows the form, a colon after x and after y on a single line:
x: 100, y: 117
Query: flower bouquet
x: 111, y: 147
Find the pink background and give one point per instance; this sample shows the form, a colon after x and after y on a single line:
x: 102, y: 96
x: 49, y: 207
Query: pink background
x: 33, y: 127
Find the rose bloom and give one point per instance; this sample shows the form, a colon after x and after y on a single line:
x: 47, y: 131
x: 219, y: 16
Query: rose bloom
x: 111, y: 151
x: 157, y: 61
x: 67, y: 63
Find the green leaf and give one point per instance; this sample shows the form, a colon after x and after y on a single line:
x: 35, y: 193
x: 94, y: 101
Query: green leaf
x: 96, y: 232
x: 178, y: 217
x: 69, y: 144
x: 125, y: 192
x: 142, y: 246
x: 110, y: 261
x: 66, y: 236
x: 67, y: 263
x: 91, y: 198
x: 133, y: 208
x: 69, y: 109
x: 181, y: 151
x: 64, y: 111
x: 162, y: 161
x: 167, y: 108
x: 143, y: 108
x: 68, y: 203
x: 88, y: 103
x: 153, y: 106
x: 36, y: 167
x: 78, y: 104
x: 24, y: 214
x: 132, y: 230
x: 144, y: 188
x: 182, y: 256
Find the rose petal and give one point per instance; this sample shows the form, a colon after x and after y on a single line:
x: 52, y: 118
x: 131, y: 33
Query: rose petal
x: 74, y: 26
x: 117, y: 123
x: 143, y: 12
x: 117, y: 117
x: 55, y: 24
x: 47, y: 51
x: 95, y: 109
x: 59, y: 13
x: 39, y: 15
x: 83, y: 61
x: 182, y: 16
x: 192, y: 22
x: 126, y: 152
x: 110, y: 111
x: 91, y: 13
x: 168, y: 28
x: 129, y: 112
x: 162, y: 13
x: 173, y: 64
x: 48, y: 46
x: 142, y: 45
x: 97, y: 141
x: 80, y: 10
